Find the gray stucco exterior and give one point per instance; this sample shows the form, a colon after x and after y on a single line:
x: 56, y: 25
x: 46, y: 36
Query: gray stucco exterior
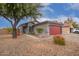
x: 45, y: 28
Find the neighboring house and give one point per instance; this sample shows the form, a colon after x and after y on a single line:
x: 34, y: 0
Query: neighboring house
x: 65, y: 28
x: 45, y: 28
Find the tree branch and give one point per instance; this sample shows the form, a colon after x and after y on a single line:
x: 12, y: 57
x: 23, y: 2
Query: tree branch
x: 19, y: 20
x: 35, y: 19
x: 7, y: 19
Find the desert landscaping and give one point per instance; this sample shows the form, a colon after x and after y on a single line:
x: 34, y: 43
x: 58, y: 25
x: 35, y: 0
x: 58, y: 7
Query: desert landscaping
x: 29, y: 45
x: 33, y: 29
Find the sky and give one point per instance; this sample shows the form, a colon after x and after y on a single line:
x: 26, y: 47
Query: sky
x: 51, y: 12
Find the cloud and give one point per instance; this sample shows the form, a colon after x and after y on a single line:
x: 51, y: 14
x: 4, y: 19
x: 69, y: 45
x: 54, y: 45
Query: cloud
x: 73, y: 6
x: 46, y: 8
x: 43, y: 19
x: 45, y: 4
x: 76, y: 19
x: 60, y: 18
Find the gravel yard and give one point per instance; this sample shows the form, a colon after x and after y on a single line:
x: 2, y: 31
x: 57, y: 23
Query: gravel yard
x: 27, y: 45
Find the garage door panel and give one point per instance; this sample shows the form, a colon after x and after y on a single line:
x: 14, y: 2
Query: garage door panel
x: 54, y: 30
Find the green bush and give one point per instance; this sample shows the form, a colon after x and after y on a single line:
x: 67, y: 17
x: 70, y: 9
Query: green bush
x: 59, y: 40
x: 39, y: 30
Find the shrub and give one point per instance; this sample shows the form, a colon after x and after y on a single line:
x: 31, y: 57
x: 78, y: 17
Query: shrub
x: 59, y: 40
x: 39, y: 30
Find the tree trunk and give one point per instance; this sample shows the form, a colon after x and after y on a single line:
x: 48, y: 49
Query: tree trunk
x: 14, y: 34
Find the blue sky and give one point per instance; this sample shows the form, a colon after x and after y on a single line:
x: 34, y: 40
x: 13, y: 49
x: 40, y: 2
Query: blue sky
x: 53, y: 11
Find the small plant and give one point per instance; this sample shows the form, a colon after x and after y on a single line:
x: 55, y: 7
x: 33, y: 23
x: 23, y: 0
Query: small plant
x: 39, y: 30
x: 59, y: 40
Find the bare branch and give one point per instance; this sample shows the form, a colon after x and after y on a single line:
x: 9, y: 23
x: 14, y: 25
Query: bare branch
x: 7, y: 19
x: 35, y: 19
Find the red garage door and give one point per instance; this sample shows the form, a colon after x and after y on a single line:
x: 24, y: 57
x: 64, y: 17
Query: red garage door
x: 54, y: 30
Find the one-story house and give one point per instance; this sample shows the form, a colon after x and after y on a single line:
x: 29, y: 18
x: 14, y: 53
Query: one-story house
x: 48, y: 28
x: 45, y: 28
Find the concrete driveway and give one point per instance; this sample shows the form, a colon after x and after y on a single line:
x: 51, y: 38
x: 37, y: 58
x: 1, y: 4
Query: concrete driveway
x: 72, y: 37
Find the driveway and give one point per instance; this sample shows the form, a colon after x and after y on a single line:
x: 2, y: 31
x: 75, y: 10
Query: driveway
x: 72, y: 37
x: 29, y: 45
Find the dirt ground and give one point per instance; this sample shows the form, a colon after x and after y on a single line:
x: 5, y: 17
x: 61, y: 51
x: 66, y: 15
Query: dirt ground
x: 27, y: 45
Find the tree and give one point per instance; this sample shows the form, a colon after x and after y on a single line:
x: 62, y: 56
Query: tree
x: 35, y: 14
x: 75, y: 25
x: 14, y: 12
x: 72, y: 23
